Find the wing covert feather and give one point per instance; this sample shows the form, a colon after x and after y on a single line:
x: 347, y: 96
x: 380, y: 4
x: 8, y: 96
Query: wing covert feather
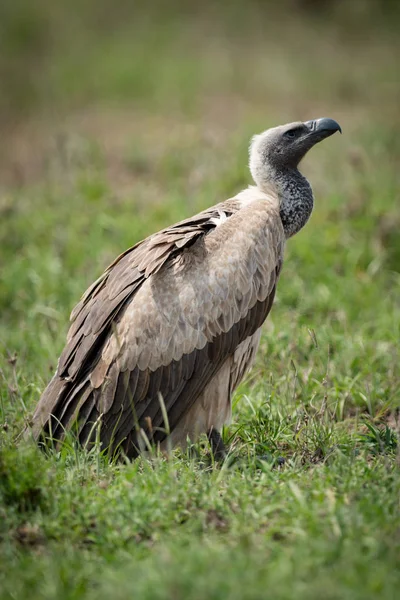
x: 164, y: 317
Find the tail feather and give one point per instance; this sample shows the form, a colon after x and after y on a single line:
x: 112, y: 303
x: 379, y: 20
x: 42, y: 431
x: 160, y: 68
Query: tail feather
x: 47, y: 407
x: 58, y: 407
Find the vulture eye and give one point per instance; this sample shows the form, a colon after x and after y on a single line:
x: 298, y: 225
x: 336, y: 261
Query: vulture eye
x: 290, y: 134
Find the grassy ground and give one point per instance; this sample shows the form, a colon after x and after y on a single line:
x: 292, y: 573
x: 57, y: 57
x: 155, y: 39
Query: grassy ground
x: 118, y: 123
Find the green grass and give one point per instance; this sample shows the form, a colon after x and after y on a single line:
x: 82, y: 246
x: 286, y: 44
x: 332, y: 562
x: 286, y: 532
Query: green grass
x: 137, y: 120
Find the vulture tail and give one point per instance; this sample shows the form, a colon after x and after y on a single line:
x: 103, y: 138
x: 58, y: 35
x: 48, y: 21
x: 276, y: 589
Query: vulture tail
x: 58, y: 407
x: 46, y: 407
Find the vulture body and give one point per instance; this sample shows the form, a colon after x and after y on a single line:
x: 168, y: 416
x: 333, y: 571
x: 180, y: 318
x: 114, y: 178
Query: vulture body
x: 160, y: 341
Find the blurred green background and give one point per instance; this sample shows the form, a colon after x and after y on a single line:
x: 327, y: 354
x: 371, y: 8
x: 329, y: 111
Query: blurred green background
x: 65, y: 66
x: 117, y: 119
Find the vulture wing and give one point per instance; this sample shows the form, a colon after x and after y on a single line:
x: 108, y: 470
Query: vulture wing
x: 162, y: 320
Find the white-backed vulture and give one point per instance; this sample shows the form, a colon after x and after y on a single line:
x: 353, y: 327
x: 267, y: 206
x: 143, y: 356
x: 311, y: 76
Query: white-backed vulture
x: 178, y: 316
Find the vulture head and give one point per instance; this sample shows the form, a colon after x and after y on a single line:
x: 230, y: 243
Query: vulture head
x: 280, y: 149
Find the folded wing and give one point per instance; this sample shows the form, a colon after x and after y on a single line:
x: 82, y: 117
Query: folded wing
x: 161, y: 321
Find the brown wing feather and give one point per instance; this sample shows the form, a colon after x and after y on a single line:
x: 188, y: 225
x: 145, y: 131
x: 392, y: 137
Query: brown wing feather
x: 120, y: 356
x: 102, y: 304
x: 108, y: 296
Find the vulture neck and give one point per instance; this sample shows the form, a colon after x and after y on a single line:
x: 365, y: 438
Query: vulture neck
x: 296, y: 199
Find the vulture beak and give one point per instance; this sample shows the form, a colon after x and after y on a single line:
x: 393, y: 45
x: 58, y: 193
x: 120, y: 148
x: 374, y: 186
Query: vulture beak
x: 322, y: 128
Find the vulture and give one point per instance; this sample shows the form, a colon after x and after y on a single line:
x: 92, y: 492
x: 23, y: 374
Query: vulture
x: 160, y: 341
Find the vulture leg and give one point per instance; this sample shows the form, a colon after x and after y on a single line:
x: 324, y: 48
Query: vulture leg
x: 217, y: 445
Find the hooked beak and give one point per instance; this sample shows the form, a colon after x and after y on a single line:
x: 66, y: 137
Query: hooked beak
x: 322, y: 128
